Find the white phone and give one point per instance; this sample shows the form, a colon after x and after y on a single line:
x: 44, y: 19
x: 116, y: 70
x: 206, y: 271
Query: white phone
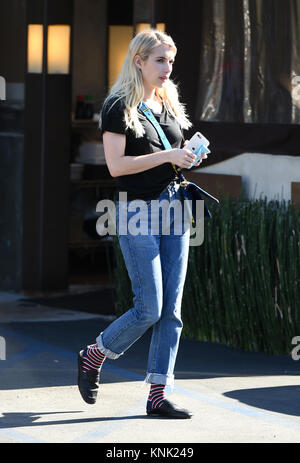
x: 198, y: 140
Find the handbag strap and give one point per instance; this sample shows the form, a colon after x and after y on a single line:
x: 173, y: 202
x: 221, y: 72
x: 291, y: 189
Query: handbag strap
x: 183, y: 182
x: 148, y: 113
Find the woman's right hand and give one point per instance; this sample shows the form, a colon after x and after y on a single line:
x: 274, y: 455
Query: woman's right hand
x: 182, y: 157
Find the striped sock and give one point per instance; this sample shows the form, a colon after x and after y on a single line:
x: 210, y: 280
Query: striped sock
x: 156, y: 395
x: 92, y: 358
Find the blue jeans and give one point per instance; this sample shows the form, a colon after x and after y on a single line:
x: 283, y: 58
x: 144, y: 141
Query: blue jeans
x: 156, y: 265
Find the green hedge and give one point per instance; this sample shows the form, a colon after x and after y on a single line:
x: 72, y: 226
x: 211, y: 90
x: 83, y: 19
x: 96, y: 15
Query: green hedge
x: 243, y: 283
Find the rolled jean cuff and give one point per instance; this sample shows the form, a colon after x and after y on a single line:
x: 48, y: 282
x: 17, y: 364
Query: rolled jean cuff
x: 108, y: 353
x: 167, y: 380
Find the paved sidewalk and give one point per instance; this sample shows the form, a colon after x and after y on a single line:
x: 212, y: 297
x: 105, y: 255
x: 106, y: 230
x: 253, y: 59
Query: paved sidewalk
x: 235, y: 396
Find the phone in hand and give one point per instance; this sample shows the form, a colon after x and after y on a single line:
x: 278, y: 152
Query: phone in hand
x: 198, y: 145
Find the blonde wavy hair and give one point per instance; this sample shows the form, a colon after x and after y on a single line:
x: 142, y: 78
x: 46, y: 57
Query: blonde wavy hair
x: 129, y: 85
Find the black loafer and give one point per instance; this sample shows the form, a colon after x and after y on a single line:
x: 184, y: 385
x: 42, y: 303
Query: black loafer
x: 87, y: 382
x: 168, y: 410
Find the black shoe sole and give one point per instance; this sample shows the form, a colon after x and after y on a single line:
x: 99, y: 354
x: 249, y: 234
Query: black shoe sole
x: 83, y: 391
x: 168, y: 414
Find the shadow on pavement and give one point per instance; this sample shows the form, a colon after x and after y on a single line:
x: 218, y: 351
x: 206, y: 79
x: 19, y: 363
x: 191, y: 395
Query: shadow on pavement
x: 281, y: 399
x: 15, y: 420
x: 101, y: 301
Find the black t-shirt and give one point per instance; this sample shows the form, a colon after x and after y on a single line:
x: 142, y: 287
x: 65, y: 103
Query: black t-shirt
x: 150, y: 183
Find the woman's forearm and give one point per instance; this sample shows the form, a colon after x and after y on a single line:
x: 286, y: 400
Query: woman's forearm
x: 127, y: 165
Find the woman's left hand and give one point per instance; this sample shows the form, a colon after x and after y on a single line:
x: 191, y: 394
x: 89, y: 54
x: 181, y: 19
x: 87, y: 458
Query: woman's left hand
x: 204, y: 156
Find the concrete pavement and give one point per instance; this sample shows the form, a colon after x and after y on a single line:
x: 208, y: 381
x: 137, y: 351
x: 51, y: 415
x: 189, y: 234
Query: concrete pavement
x: 236, y: 396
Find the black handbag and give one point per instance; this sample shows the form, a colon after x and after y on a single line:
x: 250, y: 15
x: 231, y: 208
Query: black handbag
x: 194, y: 193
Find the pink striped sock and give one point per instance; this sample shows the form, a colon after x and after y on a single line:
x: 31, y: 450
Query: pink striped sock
x: 156, y: 395
x: 93, y: 358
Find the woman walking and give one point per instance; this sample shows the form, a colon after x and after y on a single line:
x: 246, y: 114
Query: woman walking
x: 156, y: 262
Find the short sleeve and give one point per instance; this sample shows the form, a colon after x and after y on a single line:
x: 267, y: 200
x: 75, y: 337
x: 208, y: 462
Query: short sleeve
x: 112, y: 116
